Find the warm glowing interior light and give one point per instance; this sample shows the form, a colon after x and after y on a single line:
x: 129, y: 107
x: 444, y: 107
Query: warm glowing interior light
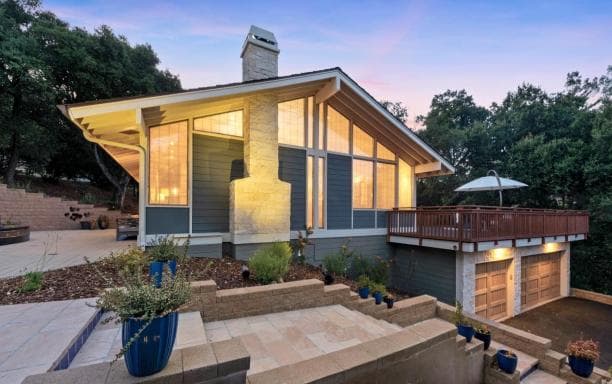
x: 500, y: 253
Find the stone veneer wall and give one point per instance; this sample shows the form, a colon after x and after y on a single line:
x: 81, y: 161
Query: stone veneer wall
x: 42, y: 212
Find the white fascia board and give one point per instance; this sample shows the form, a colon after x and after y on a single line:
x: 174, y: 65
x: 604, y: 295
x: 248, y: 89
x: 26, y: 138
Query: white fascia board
x: 181, y: 97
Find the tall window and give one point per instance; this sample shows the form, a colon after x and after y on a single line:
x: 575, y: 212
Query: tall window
x: 310, y: 118
x: 385, y: 185
x: 363, y: 184
x: 363, y: 144
x: 291, y: 122
x: 309, y: 191
x: 229, y: 123
x: 321, y: 194
x: 337, y: 131
x: 168, y: 146
x: 383, y: 153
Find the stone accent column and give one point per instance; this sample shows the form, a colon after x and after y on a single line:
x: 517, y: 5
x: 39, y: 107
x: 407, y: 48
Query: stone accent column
x: 565, y: 271
x: 515, y: 277
x: 466, y: 273
x: 260, y: 202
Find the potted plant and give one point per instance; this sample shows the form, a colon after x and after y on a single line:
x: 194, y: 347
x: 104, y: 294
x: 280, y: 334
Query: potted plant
x: 149, y: 317
x: 164, y: 252
x: 103, y: 222
x: 483, y: 334
x: 582, y: 355
x: 464, y: 328
x: 379, y: 292
x: 389, y: 299
x: 74, y: 214
x: 507, y: 361
x: 363, y: 282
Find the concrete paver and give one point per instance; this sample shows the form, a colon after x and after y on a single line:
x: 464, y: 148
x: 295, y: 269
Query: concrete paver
x: 49, y: 250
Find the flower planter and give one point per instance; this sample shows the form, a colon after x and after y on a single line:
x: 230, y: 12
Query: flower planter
x: 378, y: 297
x: 581, y: 367
x: 507, y: 363
x: 390, y: 303
x: 364, y: 292
x: 11, y: 234
x: 150, y: 352
x: 485, y: 338
x: 466, y: 331
x: 156, y: 270
x: 86, y: 225
x: 328, y: 279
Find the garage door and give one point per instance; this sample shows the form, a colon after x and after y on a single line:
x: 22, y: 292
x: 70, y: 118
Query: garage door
x: 540, y: 278
x: 491, y: 289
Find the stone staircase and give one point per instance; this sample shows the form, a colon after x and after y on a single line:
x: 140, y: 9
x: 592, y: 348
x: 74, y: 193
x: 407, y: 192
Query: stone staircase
x: 42, y: 212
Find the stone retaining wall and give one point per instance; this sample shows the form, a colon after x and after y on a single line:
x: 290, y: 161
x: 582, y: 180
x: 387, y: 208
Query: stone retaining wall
x: 590, y: 295
x: 42, y: 212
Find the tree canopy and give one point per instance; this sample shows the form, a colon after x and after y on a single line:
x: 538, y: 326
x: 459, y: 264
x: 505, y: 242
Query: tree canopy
x: 557, y: 143
x: 45, y: 62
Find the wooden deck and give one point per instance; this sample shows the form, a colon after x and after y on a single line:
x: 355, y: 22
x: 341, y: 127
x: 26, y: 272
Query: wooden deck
x: 483, y: 223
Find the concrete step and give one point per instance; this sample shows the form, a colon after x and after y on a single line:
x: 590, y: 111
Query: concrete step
x: 540, y: 377
x: 105, y: 340
x: 366, y: 320
x: 526, y: 363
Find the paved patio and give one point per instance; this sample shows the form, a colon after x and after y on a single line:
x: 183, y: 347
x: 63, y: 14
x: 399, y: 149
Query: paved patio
x: 284, y: 338
x: 35, y: 335
x: 48, y: 250
x: 569, y: 319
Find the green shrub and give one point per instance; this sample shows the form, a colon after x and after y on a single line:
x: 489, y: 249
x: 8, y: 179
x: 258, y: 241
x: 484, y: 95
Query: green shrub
x: 363, y: 281
x: 32, y: 282
x: 360, y: 266
x: 377, y: 268
x: 375, y: 287
x: 270, y: 263
x: 130, y: 260
x: 336, y: 264
x: 165, y: 248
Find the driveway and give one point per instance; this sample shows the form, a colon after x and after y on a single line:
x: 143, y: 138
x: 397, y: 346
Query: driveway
x: 569, y: 319
x: 48, y: 250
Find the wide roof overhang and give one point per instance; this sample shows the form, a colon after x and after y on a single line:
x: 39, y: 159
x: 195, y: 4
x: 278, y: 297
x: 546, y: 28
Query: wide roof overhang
x: 119, y: 125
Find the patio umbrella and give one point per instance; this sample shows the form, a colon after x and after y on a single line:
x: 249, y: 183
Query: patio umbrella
x: 491, y: 182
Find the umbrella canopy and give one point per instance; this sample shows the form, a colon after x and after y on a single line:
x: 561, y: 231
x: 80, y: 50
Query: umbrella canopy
x: 491, y: 183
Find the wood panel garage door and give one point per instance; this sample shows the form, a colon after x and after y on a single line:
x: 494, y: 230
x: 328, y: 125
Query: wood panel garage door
x: 491, y: 289
x: 540, y: 278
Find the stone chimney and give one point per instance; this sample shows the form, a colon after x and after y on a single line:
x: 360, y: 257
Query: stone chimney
x: 259, y: 55
x: 259, y: 203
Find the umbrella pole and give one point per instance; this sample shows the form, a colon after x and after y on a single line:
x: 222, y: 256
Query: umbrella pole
x: 501, y: 202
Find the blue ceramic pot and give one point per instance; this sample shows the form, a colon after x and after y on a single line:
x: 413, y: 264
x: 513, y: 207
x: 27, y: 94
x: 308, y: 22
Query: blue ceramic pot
x: 466, y: 331
x: 378, y: 297
x: 151, y: 351
x: 506, y: 363
x: 156, y: 270
x: 364, y: 292
x: 581, y: 367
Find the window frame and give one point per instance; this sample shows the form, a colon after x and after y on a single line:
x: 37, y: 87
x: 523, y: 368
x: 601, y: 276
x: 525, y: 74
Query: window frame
x: 200, y: 132
x: 187, y: 204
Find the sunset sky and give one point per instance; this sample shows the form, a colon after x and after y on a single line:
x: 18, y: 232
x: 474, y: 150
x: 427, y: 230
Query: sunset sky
x: 404, y: 51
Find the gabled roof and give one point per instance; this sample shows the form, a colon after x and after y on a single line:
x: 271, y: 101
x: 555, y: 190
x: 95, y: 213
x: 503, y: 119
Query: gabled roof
x: 86, y: 115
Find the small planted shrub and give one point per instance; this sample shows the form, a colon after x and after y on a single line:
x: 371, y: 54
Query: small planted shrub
x: 302, y: 241
x: 131, y: 260
x: 364, y: 283
x: 336, y: 264
x: 377, y: 268
x: 32, y: 282
x: 464, y: 327
x: 582, y: 355
x: 270, y: 263
x: 378, y: 291
x: 483, y: 334
x: 165, y: 248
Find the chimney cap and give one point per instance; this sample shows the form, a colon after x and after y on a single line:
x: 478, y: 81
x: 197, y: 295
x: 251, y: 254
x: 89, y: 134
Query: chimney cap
x: 260, y: 37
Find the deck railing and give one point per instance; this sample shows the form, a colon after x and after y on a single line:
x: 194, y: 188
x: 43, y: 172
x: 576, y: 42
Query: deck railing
x: 484, y: 223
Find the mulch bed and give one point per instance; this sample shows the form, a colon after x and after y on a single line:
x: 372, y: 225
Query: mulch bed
x: 83, y: 281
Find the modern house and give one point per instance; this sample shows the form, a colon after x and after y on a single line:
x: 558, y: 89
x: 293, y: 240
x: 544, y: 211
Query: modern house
x: 238, y: 165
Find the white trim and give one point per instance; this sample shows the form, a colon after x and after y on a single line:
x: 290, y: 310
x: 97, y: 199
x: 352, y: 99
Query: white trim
x: 194, y: 239
x: 328, y: 90
x: 332, y: 233
x: 250, y: 238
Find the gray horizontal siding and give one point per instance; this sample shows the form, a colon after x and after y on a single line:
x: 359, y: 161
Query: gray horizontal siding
x: 339, y: 198
x: 292, y: 169
x: 363, y: 219
x: 422, y: 270
x: 367, y: 246
x: 166, y: 220
x: 216, y: 162
x: 205, y: 250
x: 381, y: 219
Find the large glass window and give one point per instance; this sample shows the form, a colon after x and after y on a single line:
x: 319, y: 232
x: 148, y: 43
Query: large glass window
x: 310, y: 118
x: 229, y: 123
x: 168, y: 146
x: 321, y: 191
x: 309, y: 191
x: 291, y: 122
x: 383, y: 153
x: 363, y: 144
x: 337, y: 131
x: 363, y: 184
x: 385, y: 185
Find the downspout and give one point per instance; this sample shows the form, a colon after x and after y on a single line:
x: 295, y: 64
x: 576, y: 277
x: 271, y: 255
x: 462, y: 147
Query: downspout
x: 141, y: 169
